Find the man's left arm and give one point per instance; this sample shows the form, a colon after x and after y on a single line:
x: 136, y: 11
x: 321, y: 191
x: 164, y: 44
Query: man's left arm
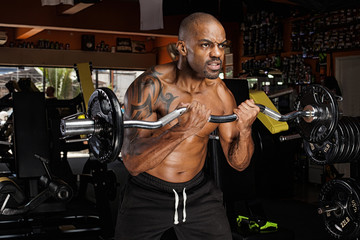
x: 236, y: 137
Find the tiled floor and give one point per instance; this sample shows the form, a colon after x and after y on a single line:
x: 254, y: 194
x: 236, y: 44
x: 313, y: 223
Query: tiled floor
x: 299, y: 213
x: 307, y: 192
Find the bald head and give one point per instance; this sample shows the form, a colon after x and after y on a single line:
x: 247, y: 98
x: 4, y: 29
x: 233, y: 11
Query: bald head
x: 201, y: 44
x: 188, y: 24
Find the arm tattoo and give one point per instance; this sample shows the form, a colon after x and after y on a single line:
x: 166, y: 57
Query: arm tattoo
x: 168, y: 98
x: 138, y: 108
x: 151, y: 82
x: 232, y: 148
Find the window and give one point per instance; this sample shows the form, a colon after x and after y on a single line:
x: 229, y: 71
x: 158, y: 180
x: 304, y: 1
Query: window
x: 65, y: 81
x: 117, y: 80
x: 62, y: 79
x: 67, y: 87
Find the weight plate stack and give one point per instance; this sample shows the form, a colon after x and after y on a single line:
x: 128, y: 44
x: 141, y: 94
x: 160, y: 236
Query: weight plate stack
x: 343, y: 146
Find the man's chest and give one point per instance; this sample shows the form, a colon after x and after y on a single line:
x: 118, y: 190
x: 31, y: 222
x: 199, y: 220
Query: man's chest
x: 170, y: 100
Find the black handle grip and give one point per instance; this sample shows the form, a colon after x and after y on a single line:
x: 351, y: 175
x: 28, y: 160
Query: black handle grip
x: 230, y: 118
x: 223, y: 119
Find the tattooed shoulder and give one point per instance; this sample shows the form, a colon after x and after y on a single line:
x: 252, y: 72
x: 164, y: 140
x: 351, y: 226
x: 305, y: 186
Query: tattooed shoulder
x: 143, y: 93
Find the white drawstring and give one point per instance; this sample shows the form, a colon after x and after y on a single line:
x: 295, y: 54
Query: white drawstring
x: 184, y: 209
x: 176, y: 215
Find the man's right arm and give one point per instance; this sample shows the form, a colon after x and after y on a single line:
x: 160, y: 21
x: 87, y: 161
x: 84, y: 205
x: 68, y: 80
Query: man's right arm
x: 145, y: 149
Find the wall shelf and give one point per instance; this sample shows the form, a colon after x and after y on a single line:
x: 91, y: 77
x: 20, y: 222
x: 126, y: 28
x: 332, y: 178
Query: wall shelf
x: 67, y: 58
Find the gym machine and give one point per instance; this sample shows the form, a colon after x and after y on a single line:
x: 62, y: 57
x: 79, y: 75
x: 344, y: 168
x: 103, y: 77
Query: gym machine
x: 36, y: 198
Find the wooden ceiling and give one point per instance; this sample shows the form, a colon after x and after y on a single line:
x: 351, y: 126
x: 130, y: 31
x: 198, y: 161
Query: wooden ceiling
x: 28, y: 18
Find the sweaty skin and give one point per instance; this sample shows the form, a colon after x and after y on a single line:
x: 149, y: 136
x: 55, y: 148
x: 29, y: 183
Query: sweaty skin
x: 177, y: 152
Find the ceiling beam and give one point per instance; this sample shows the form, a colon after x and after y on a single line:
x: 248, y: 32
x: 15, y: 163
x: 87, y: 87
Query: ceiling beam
x: 88, y: 30
x: 24, y: 33
x: 77, y: 8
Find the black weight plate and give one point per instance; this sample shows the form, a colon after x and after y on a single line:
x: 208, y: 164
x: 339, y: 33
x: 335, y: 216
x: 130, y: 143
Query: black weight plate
x: 353, y: 182
x: 356, y: 124
x: 323, y: 153
x: 351, y: 128
x: 104, y: 108
x: 341, y: 143
x: 345, y: 138
x: 353, y: 140
x: 343, y: 223
x: 324, y: 101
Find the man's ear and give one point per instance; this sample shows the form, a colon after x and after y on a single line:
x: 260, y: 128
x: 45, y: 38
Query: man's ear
x: 181, y: 47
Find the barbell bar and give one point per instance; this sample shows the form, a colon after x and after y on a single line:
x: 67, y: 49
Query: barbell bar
x: 328, y: 208
x: 71, y: 127
x: 104, y: 124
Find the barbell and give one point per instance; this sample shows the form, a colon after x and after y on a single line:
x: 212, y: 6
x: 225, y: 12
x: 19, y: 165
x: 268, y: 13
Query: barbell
x: 316, y: 116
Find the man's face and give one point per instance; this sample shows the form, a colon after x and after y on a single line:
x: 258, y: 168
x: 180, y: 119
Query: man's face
x: 206, y: 46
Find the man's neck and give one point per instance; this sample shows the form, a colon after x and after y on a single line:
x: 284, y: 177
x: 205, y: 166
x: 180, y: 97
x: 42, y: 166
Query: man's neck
x: 188, y: 81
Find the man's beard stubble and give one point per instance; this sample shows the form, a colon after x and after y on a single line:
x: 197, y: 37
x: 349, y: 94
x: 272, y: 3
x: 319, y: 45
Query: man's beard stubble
x: 213, y: 74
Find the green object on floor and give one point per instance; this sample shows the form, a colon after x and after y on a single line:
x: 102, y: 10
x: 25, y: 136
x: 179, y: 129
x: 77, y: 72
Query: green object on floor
x: 256, y: 225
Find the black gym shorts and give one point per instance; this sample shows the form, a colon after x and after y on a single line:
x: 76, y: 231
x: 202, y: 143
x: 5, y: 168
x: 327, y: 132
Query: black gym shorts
x: 150, y: 206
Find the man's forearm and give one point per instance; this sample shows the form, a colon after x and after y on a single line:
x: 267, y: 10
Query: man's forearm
x: 146, y: 153
x: 240, y: 151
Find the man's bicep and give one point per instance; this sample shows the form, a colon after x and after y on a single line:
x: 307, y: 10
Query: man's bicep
x: 228, y: 102
x: 228, y: 132
x: 140, y: 104
x: 226, y: 137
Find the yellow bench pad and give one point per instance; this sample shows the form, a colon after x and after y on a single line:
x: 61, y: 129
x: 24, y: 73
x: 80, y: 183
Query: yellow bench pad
x: 274, y: 126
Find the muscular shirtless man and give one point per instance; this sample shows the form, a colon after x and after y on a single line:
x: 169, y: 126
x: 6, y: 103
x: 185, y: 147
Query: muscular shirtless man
x: 167, y: 187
